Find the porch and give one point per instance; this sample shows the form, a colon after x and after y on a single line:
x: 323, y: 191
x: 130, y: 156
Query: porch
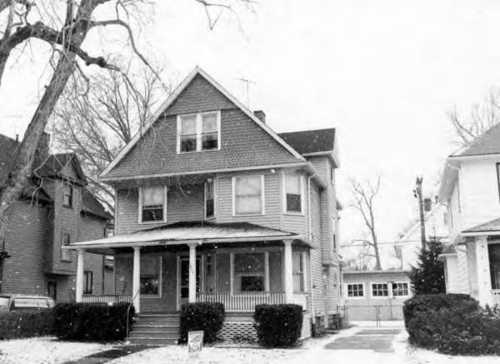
x: 239, y: 266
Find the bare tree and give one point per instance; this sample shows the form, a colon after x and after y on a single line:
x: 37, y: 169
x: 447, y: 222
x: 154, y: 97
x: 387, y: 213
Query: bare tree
x: 481, y: 117
x: 97, y: 124
x: 364, y: 195
x: 63, y: 25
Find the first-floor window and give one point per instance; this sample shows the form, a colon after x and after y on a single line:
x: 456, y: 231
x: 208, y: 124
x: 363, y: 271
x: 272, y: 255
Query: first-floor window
x: 153, y: 203
x: 248, y: 195
x: 249, y: 272
x: 150, y: 275
x: 88, y: 281
x: 400, y: 289
x: 65, y: 253
x: 380, y: 290
x: 355, y: 290
x: 298, y: 266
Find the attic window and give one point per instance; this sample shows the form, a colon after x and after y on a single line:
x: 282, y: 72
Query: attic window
x: 198, y: 132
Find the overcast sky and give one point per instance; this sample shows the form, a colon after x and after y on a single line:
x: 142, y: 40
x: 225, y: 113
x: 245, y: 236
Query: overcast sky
x: 384, y: 73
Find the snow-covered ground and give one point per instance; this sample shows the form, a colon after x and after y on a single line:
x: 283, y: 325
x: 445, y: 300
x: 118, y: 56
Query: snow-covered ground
x: 45, y: 350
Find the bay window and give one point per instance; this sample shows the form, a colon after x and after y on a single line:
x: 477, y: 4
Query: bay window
x: 153, y: 204
x: 198, y: 132
x: 293, y: 193
x: 248, y: 195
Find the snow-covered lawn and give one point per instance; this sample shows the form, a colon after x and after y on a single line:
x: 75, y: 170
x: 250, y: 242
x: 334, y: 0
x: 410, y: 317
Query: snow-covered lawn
x: 45, y: 350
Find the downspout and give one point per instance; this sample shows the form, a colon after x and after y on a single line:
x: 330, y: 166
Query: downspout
x: 309, y: 228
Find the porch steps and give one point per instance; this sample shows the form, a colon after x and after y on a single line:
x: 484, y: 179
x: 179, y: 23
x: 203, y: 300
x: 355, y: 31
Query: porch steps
x: 155, y: 329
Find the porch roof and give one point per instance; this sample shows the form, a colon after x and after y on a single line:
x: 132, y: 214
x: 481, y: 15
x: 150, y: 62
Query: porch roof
x: 189, y: 232
x: 489, y: 228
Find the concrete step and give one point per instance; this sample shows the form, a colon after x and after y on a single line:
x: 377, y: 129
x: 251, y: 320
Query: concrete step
x: 156, y: 332
x: 152, y: 341
x: 154, y: 335
x: 154, y: 326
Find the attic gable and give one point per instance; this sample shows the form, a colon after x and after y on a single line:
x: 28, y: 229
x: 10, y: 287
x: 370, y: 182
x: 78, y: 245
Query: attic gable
x: 245, y: 140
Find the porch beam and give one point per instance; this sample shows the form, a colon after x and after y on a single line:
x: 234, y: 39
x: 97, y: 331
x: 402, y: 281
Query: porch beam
x: 79, y: 275
x: 136, y: 280
x: 288, y: 271
x: 192, y: 272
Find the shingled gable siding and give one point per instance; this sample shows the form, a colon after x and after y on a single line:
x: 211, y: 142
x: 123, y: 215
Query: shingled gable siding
x: 185, y: 205
x: 243, y: 142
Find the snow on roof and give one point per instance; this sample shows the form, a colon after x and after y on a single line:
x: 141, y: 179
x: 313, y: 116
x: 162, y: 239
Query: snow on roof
x: 185, y: 232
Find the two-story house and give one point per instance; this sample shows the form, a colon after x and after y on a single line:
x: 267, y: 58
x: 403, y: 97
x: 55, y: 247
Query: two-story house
x: 213, y: 205
x: 55, y: 210
x: 470, y: 188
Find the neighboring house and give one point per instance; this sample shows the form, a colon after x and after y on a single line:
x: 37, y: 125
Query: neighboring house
x: 213, y: 205
x: 375, y: 295
x: 470, y: 188
x: 55, y: 209
x: 409, y: 243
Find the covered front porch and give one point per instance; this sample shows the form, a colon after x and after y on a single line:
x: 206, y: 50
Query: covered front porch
x: 238, y: 264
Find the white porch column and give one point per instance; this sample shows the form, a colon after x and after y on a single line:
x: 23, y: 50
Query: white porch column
x: 136, y: 280
x: 79, y: 275
x: 192, y: 272
x: 484, y: 295
x: 288, y: 271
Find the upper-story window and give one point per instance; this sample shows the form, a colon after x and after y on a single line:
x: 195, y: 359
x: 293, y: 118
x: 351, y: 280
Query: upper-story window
x: 248, y: 195
x: 67, y: 195
x: 209, y: 199
x: 153, y: 204
x: 293, y: 193
x: 198, y: 132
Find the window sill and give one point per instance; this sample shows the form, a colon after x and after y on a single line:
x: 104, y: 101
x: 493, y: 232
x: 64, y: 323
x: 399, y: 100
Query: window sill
x: 292, y: 213
x: 152, y: 222
x: 249, y: 215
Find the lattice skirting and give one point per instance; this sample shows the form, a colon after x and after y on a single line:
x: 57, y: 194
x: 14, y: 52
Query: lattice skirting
x: 238, y: 331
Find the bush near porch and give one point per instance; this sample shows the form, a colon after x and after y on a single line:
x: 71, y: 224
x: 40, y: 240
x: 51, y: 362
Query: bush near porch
x: 452, y: 324
x: 278, y: 325
x: 92, y: 321
x: 24, y: 324
x: 206, y: 316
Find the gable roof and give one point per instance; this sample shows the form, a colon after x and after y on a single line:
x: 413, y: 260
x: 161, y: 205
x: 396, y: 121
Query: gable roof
x: 55, y: 163
x: 487, y: 143
x: 171, y: 99
x: 310, y: 141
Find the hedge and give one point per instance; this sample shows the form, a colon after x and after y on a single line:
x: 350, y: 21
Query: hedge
x: 278, y: 325
x: 205, y: 316
x: 21, y: 324
x: 92, y: 321
x: 452, y: 324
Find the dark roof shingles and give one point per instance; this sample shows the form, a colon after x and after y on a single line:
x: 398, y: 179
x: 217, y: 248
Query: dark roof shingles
x: 310, y: 141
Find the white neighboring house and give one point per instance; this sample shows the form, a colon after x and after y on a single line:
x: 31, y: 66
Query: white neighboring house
x: 470, y: 188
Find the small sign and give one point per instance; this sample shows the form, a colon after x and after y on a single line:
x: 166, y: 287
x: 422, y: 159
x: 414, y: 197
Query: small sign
x: 195, y: 341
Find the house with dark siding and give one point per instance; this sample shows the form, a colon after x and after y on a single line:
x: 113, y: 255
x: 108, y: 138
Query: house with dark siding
x: 211, y: 204
x: 55, y: 209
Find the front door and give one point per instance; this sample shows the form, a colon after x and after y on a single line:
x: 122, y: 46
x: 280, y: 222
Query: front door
x: 183, y: 290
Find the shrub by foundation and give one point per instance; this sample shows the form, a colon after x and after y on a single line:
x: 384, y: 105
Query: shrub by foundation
x: 92, y: 321
x: 278, y: 325
x: 21, y: 324
x: 205, y: 316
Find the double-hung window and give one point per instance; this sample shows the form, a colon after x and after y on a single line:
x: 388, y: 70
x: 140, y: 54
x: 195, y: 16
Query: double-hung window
x: 248, y: 195
x: 65, y: 253
x: 153, y: 204
x: 293, y: 193
x: 198, y: 132
x: 380, y: 290
x: 209, y: 199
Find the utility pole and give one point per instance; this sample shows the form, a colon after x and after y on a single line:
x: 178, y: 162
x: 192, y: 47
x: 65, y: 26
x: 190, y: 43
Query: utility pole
x: 417, y: 192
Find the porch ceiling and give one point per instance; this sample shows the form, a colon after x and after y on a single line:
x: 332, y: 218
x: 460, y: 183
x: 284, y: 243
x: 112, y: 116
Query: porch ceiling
x: 189, y: 232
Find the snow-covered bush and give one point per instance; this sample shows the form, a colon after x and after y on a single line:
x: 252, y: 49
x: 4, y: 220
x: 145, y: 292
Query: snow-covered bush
x: 92, y: 321
x: 19, y: 324
x: 278, y: 325
x: 206, y: 316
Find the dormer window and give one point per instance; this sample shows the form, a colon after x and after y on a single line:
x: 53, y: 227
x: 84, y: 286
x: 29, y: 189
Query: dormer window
x: 67, y: 195
x: 153, y: 204
x: 198, y: 132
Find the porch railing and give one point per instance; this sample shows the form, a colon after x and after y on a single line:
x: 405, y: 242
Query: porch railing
x: 244, y: 302
x: 106, y: 298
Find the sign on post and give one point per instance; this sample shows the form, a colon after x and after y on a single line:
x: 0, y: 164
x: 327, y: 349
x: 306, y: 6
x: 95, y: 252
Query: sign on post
x: 195, y: 342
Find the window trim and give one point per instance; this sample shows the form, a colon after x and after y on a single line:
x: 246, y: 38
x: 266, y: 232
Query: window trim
x: 199, y: 131
x: 139, y: 213
x: 262, y: 195
x: 71, y: 198
x: 205, y: 200
x: 407, y: 286
x: 302, y: 195
x: 85, y: 277
x: 389, y: 290
x: 160, y: 281
x: 364, y: 296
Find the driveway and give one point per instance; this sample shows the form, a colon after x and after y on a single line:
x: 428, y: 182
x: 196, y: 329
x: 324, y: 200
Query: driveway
x: 377, y: 339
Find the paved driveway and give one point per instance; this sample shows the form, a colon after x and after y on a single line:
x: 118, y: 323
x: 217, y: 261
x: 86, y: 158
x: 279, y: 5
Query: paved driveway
x: 377, y: 339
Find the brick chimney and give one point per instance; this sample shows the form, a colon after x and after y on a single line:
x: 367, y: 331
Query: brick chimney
x: 261, y: 115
